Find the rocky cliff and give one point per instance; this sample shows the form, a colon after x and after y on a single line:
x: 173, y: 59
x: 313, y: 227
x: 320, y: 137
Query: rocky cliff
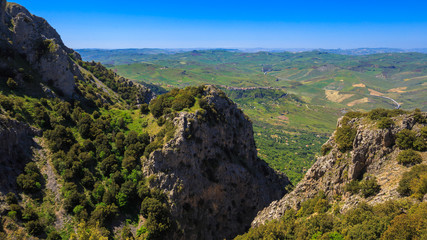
x: 41, y: 46
x: 16, y: 141
x: 373, y: 154
x: 211, y: 173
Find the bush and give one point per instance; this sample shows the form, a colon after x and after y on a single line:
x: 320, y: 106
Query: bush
x: 34, y: 227
x: 409, y: 157
x: 385, y: 123
x: 379, y: 113
x: 414, y: 182
x: 345, y: 135
x: 30, y: 180
x: 352, y: 187
x: 326, y: 148
x: 176, y: 99
x: 369, y: 187
x: 11, y: 83
x: 103, y: 214
x: 355, y: 115
x: 11, y: 198
x: 405, y: 139
x: 144, y: 108
x: 60, y: 138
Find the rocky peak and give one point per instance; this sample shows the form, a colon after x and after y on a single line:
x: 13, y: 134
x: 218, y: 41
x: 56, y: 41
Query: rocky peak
x: 210, y: 171
x: 34, y: 38
x: 373, y: 154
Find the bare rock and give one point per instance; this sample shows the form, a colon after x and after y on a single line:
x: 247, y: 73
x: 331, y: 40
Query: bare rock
x: 16, y: 141
x: 34, y: 38
x: 211, y: 173
x: 373, y: 154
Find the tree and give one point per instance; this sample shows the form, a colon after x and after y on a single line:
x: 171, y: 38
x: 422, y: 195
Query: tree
x: 344, y: 136
x: 405, y: 139
x: 409, y: 157
x: 11, y: 83
x: 60, y: 138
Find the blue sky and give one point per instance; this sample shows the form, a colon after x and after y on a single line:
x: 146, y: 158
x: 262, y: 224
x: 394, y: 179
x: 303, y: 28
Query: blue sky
x: 236, y: 24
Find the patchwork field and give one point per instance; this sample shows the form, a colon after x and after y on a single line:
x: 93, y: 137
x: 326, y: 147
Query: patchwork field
x: 293, y: 99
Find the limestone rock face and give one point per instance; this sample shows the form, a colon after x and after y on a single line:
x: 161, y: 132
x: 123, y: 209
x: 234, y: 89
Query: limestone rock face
x: 211, y: 173
x: 374, y: 154
x: 34, y: 38
x: 16, y: 140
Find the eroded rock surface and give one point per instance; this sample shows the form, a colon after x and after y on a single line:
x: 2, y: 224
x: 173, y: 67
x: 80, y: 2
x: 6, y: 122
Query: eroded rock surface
x: 16, y: 141
x: 374, y: 154
x: 211, y: 173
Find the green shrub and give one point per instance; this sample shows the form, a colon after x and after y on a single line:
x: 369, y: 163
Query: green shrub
x: 11, y: 83
x: 160, y: 121
x: 385, y: 123
x: 30, y: 180
x: 144, y: 108
x: 379, y: 113
x: 345, y: 135
x: 419, y: 117
x: 60, y: 138
x: 352, y: 187
x: 326, y: 148
x: 405, y: 139
x: 11, y: 198
x: 176, y: 99
x: 409, y: 157
x: 354, y: 115
x: 414, y: 182
x: 34, y: 227
x: 369, y: 187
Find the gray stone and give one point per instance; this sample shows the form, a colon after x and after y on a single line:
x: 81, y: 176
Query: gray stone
x: 211, y: 173
x: 373, y: 154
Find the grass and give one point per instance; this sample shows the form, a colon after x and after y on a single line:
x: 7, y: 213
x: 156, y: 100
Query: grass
x: 305, y: 74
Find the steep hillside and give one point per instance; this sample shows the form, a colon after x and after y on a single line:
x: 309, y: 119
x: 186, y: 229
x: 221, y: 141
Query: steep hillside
x: 293, y: 98
x: 214, y: 180
x: 87, y: 154
x: 374, y: 163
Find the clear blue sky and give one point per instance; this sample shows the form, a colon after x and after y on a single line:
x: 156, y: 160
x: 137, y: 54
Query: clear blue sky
x: 236, y: 24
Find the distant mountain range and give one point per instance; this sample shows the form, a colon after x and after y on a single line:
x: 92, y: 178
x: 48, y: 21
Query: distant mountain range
x: 91, y: 53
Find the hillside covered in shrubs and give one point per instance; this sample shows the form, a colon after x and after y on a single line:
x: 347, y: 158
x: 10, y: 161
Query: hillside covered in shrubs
x: 369, y: 183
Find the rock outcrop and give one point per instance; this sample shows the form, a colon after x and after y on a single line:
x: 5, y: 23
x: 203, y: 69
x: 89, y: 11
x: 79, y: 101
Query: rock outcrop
x: 211, y: 173
x: 16, y: 141
x: 34, y: 38
x: 374, y: 154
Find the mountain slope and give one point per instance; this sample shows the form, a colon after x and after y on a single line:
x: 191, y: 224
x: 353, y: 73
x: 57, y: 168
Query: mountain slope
x: 210, y: 170
x: 360, y: 151
x: 87, y: 154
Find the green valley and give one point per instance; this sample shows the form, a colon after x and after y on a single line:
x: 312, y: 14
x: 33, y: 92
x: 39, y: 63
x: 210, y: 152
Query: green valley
x: 293, y: 99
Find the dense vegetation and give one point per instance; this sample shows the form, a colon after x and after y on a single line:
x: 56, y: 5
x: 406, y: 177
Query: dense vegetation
x: 96, y: 145
x: 289, y: 130
x: 318, y: 219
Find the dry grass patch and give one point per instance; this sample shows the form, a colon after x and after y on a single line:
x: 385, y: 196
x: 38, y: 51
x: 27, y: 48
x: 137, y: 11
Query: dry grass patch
x: 398, y: 90
x: 361, y: 85
x: 358, y: 101
x: 375, y: 93
x: 335, y: 96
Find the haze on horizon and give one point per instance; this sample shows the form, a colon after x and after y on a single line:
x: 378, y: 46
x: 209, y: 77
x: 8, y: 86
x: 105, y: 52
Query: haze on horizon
x: 236, y: 24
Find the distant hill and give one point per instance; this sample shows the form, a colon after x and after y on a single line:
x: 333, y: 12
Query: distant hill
x: 125, y: 56
x: 321, y: 86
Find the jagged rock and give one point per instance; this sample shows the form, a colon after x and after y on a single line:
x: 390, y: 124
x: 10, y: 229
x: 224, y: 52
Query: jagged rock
x: 374, y: 153
x: 211, y: 173
x: 34, y: 38
x: 16, y: 140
